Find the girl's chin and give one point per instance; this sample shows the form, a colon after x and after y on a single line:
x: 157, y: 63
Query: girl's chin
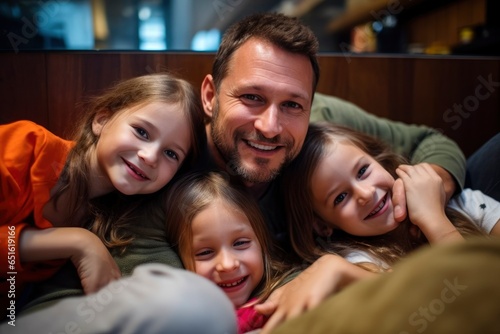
x: 391, y: 226
x: 238, y: 302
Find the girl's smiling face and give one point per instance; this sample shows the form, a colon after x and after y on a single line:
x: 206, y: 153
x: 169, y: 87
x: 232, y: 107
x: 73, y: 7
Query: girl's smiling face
x: 226, y: 251
x: 139, y: 150
x: 352, y: 192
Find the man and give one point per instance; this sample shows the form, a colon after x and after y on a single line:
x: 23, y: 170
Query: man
x: 259, y: 100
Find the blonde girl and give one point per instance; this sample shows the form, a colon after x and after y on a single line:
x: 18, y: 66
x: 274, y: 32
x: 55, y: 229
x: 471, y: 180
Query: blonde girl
x: 342, y: 203
x: 132, y: 140
x: 219, y: 233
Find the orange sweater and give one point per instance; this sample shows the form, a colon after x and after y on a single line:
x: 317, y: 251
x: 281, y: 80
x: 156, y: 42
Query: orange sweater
x: 31, y: 159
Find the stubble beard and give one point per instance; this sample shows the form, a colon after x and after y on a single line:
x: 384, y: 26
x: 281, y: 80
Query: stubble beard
x: 229, y: 153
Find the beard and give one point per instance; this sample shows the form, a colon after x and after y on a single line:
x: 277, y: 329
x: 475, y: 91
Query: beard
x: 228, y: 150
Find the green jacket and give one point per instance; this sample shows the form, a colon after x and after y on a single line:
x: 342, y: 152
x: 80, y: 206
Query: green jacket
x: 416, y: 142
x: 149, y: 246
x: 66, y: 283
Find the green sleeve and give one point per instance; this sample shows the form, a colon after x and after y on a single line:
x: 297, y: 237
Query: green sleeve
x: 417, y: 142
x: 66, y: 283
x: 147, y: 251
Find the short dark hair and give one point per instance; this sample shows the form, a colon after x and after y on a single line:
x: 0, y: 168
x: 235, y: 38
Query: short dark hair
x: 288, y: 33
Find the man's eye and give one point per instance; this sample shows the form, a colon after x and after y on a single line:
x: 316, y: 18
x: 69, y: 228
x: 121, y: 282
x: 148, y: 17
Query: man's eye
x: 339, y: 199
x: 172, y: 154
x: 292, y: 105
x: 250, y: 97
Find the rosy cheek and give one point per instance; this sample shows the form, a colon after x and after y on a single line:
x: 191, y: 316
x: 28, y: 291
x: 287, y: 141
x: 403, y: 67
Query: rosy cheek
x: 389, y: 179
x: 202, y: 271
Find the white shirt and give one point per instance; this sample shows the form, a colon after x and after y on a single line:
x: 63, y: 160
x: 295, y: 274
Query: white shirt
x: 483, y: 210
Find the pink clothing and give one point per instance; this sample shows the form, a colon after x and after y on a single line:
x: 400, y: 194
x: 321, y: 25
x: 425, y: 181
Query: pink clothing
x: 249, y: 319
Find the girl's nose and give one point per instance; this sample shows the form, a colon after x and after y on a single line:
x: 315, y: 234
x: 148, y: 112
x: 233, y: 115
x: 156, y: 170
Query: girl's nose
x: 364, y: 194
x: 226, y: 262
x: 149, y: 155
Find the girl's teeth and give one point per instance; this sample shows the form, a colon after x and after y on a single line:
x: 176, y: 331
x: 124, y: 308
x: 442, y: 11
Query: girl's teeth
x: 377, y: 209
x: 228, y: 285
x: 132, y: 168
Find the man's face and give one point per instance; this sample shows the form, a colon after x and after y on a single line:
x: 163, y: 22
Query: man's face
x: 261, y: 112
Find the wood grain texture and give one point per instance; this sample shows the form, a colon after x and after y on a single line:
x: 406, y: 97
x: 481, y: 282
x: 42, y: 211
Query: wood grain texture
x: 458, y: 95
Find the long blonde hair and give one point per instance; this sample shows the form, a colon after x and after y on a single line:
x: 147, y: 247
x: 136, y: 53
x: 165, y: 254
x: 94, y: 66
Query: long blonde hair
x: 296, y: 188
x: 102, y: 213
x: 191, y: 194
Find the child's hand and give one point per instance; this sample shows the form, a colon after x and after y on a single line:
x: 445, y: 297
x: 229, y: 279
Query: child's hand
x: 327, y: 275
x: 399, y: 200
x: 91, y: 258
x: 425, y: 196
x: 426, y: 201
x: 95, y: 265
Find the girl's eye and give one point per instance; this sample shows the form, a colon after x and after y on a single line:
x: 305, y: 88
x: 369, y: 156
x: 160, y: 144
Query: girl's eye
x: 362, y: 170
x: 339, y: 199
x: 172, y: 154
x: 203, y: 253
x: 141, y: 132
x: 241, y: 243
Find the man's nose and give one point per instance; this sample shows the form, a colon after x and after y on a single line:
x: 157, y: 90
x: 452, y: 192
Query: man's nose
x: 268, y: 122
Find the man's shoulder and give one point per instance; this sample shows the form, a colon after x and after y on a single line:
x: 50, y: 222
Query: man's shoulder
x: 330, y: 108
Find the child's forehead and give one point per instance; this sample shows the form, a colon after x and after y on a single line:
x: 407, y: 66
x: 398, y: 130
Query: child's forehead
x: 134, y: 107
x: 339, y: 143
x: 224, y: 205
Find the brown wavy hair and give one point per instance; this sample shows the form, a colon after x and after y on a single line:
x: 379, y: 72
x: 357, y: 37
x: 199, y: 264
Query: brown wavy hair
x: 107, y: 216
x: 388, y: 248
x: 191, y: 194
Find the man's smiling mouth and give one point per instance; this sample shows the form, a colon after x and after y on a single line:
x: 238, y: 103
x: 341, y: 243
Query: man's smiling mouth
x: 261, y: 146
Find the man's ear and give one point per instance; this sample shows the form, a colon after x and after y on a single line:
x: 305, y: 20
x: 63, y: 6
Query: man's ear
x: 322, y: 228
x: 100, y: 119
x: 208, y: 94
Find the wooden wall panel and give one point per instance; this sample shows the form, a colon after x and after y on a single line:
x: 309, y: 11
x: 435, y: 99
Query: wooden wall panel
x: 381, y: 85
x: 421, y: 90
x: 23, y: 88
x: 75, y: 77
x: 460, y: 97
x: 191, y: 66
x: 48, y: 88
x: 334, y: 69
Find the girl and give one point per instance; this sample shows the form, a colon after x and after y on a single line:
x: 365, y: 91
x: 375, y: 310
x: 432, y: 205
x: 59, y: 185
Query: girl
x: 132, y: 140
x: 219, y: 233
x: 344, y: 194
